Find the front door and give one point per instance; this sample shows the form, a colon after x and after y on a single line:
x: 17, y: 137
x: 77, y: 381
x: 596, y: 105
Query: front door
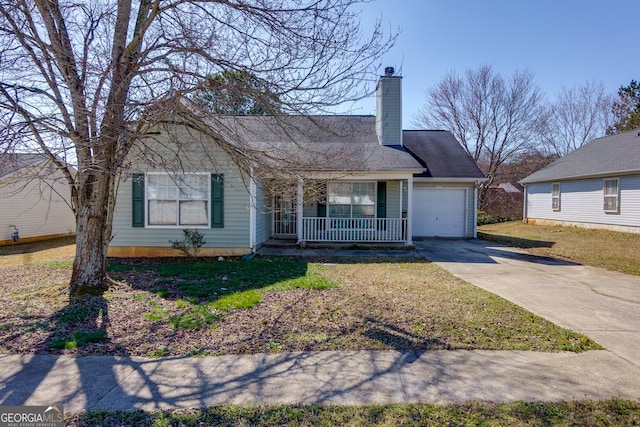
x: 285, y: 221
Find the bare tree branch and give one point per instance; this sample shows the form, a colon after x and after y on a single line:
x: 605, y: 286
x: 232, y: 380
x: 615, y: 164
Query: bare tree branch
x: 76, y: 77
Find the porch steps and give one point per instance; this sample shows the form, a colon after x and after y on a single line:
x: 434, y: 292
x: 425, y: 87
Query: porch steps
x: 280, y: 243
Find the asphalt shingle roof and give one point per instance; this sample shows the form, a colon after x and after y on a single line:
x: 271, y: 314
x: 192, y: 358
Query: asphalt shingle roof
x: 11, y: 163
x: 441, y: 153
x: 606, y: 156
x: 315, y: 143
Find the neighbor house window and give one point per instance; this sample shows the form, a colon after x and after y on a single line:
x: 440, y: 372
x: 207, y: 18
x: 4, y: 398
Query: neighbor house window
x: 178, y: 200
x: 351, y: 200
x: 555, y: 196
x: 611, y: 195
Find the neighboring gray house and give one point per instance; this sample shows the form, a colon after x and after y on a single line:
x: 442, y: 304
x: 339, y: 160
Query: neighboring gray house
x: 353, y: 179
x: 34, y: 199
x: 595, y: 186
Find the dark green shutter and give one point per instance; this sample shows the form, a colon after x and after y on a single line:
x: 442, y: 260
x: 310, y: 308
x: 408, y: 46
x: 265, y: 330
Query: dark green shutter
x: 321, y: 208
x: 137, y: 206
x: 217, y: 201
x: 382, y: 200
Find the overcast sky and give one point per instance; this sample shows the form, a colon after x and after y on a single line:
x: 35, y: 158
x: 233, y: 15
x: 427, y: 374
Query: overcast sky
x: 562, y: 42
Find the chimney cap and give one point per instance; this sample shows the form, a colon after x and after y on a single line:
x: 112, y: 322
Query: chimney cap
x: 389, y: 71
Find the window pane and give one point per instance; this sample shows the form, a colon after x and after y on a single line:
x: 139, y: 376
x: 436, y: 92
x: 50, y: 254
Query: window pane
x: 162, y: 212
x: 555, y: 190
x: 610, y: 203
x: 194, y: 187
x: 340, y: 193
x: 193, y: 213
x: 366, y: 211
x: 611, y: 187
x: 160, y: 187
x: 363, y: 193
x: 340, y: 211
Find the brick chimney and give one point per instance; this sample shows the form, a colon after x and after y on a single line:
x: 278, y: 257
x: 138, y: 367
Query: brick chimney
x: 389, y: 108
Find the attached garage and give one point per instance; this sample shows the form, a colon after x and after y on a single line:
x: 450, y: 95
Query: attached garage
x: 439, y: 212
x: 443, y: 202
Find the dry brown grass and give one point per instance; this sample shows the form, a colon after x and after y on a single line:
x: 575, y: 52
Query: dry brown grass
x: 600, y: 248
x: 63, y: 248
x: 403, y: 305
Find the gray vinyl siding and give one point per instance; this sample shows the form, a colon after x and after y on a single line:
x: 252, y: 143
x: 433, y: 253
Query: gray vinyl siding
x: 471, y: 217
x: 36, y: 206
x: 263, y: 216
x: 582, y: 201
x: 195, y: 154
x: 393, y: 199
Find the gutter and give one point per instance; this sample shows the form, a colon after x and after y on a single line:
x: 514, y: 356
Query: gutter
x: 581, y: 177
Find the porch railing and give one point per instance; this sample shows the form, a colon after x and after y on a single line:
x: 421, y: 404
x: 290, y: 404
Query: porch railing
x: 354, y: 229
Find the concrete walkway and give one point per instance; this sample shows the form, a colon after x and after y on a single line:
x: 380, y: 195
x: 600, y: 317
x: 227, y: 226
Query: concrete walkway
x: 602, y: 304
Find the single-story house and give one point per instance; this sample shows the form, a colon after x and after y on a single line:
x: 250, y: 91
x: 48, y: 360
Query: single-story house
x: 35, y: 200
x: 595, y: 186
x: 359, y: 179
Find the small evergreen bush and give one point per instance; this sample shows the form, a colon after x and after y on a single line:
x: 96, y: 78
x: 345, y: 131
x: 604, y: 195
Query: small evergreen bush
x: 190, y: 246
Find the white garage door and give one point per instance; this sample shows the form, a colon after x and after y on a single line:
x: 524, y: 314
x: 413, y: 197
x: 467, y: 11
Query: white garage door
x: 439, y: 212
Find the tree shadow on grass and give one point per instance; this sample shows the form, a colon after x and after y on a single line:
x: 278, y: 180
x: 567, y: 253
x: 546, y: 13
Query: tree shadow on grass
x: 516, y: 242
x: 82, y: 323
x: 209, y: 281
x: 400, y: 339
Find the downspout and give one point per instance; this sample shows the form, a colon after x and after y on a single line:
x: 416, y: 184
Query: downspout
x: 253, y: 232
x: 475, y: 210
x: 525, y: 214
x: 410, y: 211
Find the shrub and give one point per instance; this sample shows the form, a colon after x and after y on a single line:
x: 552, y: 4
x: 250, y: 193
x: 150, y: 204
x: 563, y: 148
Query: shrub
x: 190, y: 246
x: 484, y: 218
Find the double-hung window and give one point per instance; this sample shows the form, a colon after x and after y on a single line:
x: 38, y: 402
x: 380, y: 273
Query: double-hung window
x: 555, y: 196
x: 611, y: 189
x: 178, y: 199
x: 349, y: 201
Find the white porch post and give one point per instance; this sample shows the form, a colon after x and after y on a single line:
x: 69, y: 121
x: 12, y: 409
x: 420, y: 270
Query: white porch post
x: 475, y: 210
x: 299, y: 209
x: 410, y: 210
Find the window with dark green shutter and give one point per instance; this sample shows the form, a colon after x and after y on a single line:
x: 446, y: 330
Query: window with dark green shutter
x: 217, y: 201
x: 138, y: 200
x: 382, y: 200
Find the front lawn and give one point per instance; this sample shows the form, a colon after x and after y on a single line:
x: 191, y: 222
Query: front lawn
x: 210, y: 307
x: 614, y: 412
x: 600, y: 248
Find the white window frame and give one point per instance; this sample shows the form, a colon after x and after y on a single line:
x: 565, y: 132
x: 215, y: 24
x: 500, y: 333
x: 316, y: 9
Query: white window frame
x: 555, y: 196
x: 615, y: 197
x: 352, y: 222
x: 174, y: 177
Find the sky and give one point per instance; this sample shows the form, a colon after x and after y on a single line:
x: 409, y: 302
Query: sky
x: 562, y: 42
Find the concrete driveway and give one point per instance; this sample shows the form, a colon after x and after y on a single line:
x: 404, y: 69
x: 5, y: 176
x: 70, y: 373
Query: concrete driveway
x: 603, y: 305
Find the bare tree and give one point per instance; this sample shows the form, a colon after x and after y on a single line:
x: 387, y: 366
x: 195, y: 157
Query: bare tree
x: 579, y: 114
x: 77, y: 76
x: 494, y: 118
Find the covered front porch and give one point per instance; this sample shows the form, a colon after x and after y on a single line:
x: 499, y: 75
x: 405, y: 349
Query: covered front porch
x: 363, y: 210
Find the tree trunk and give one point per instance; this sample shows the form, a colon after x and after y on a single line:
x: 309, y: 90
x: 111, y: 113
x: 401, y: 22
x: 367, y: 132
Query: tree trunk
x: 89, y: 266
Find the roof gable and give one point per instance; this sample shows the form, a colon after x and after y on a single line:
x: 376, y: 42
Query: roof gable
x: 611, y: 155
x: 12, y: 163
